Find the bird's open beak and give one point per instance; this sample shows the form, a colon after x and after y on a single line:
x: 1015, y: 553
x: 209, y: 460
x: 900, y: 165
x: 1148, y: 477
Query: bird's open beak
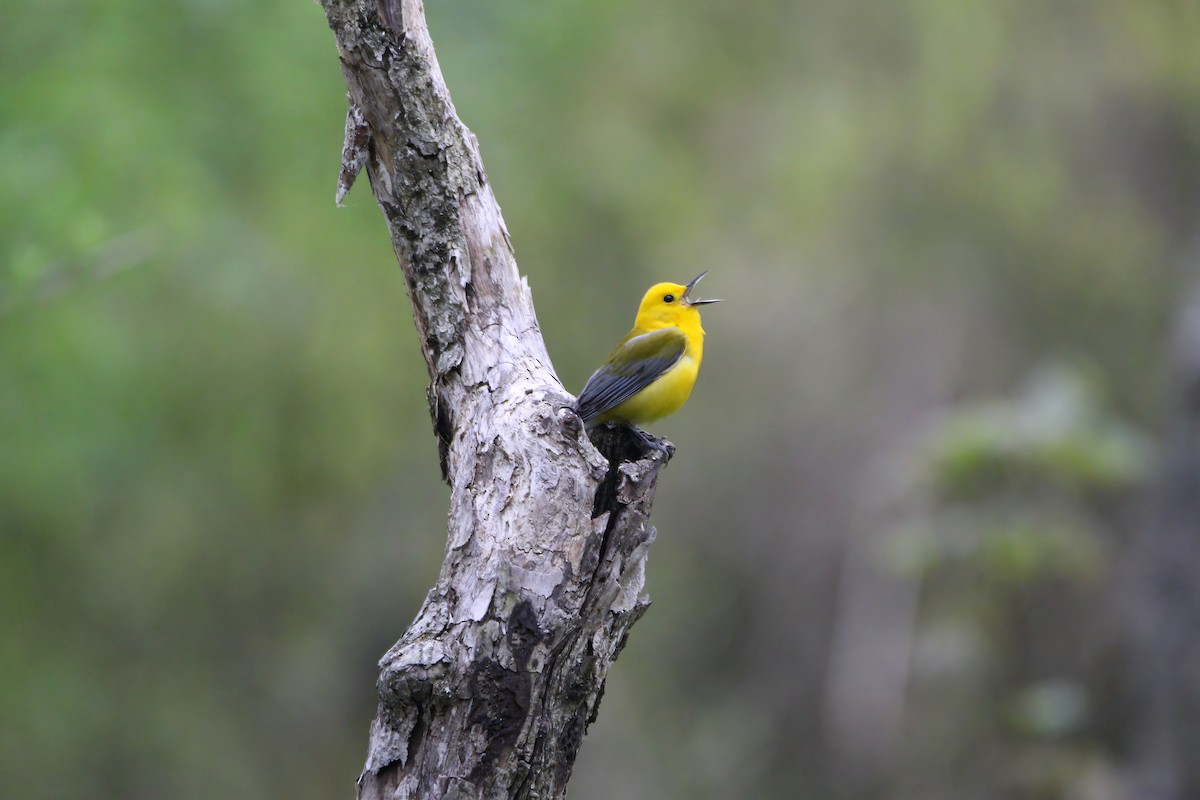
x: 687, y: 291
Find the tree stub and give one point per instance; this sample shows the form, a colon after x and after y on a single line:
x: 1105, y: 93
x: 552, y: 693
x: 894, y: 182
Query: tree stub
x: 489, y: 692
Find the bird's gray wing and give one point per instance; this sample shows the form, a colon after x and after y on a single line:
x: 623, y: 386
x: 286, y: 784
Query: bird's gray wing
x: 633, y: 366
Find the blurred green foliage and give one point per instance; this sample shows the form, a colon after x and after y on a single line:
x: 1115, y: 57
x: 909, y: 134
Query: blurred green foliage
x: 1053, y: 433
x: 1012, y: 531
x: 218, y: 488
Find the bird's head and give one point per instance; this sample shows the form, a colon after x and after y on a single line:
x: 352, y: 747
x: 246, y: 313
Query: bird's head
x: 667, y: 304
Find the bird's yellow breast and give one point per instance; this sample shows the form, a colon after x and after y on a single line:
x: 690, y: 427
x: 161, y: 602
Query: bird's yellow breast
x: 668, y: 392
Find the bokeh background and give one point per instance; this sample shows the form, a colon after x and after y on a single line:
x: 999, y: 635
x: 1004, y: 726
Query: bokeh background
x: 931, y: 530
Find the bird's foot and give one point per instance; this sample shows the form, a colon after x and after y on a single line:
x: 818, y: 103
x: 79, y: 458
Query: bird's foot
x: 624, y: 441
x: 654, y: 443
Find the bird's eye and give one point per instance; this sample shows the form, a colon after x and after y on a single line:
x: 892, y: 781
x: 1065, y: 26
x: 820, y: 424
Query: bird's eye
x: 669, y: 298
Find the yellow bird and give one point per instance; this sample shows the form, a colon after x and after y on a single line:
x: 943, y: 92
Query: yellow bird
x: 653, y: 369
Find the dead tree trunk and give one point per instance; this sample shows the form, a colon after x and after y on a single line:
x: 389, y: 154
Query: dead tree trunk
x: 489, y: 692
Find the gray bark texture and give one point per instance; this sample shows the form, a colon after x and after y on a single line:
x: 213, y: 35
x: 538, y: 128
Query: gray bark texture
x: 489, y: 692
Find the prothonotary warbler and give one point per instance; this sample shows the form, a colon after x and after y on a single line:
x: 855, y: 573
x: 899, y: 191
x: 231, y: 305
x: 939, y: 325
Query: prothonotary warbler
x: 653, y: 369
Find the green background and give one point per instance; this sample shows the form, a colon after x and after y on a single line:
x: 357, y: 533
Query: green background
x: 952, y: 238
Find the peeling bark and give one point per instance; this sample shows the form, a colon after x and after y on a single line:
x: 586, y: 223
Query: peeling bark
x: 489, y: 692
